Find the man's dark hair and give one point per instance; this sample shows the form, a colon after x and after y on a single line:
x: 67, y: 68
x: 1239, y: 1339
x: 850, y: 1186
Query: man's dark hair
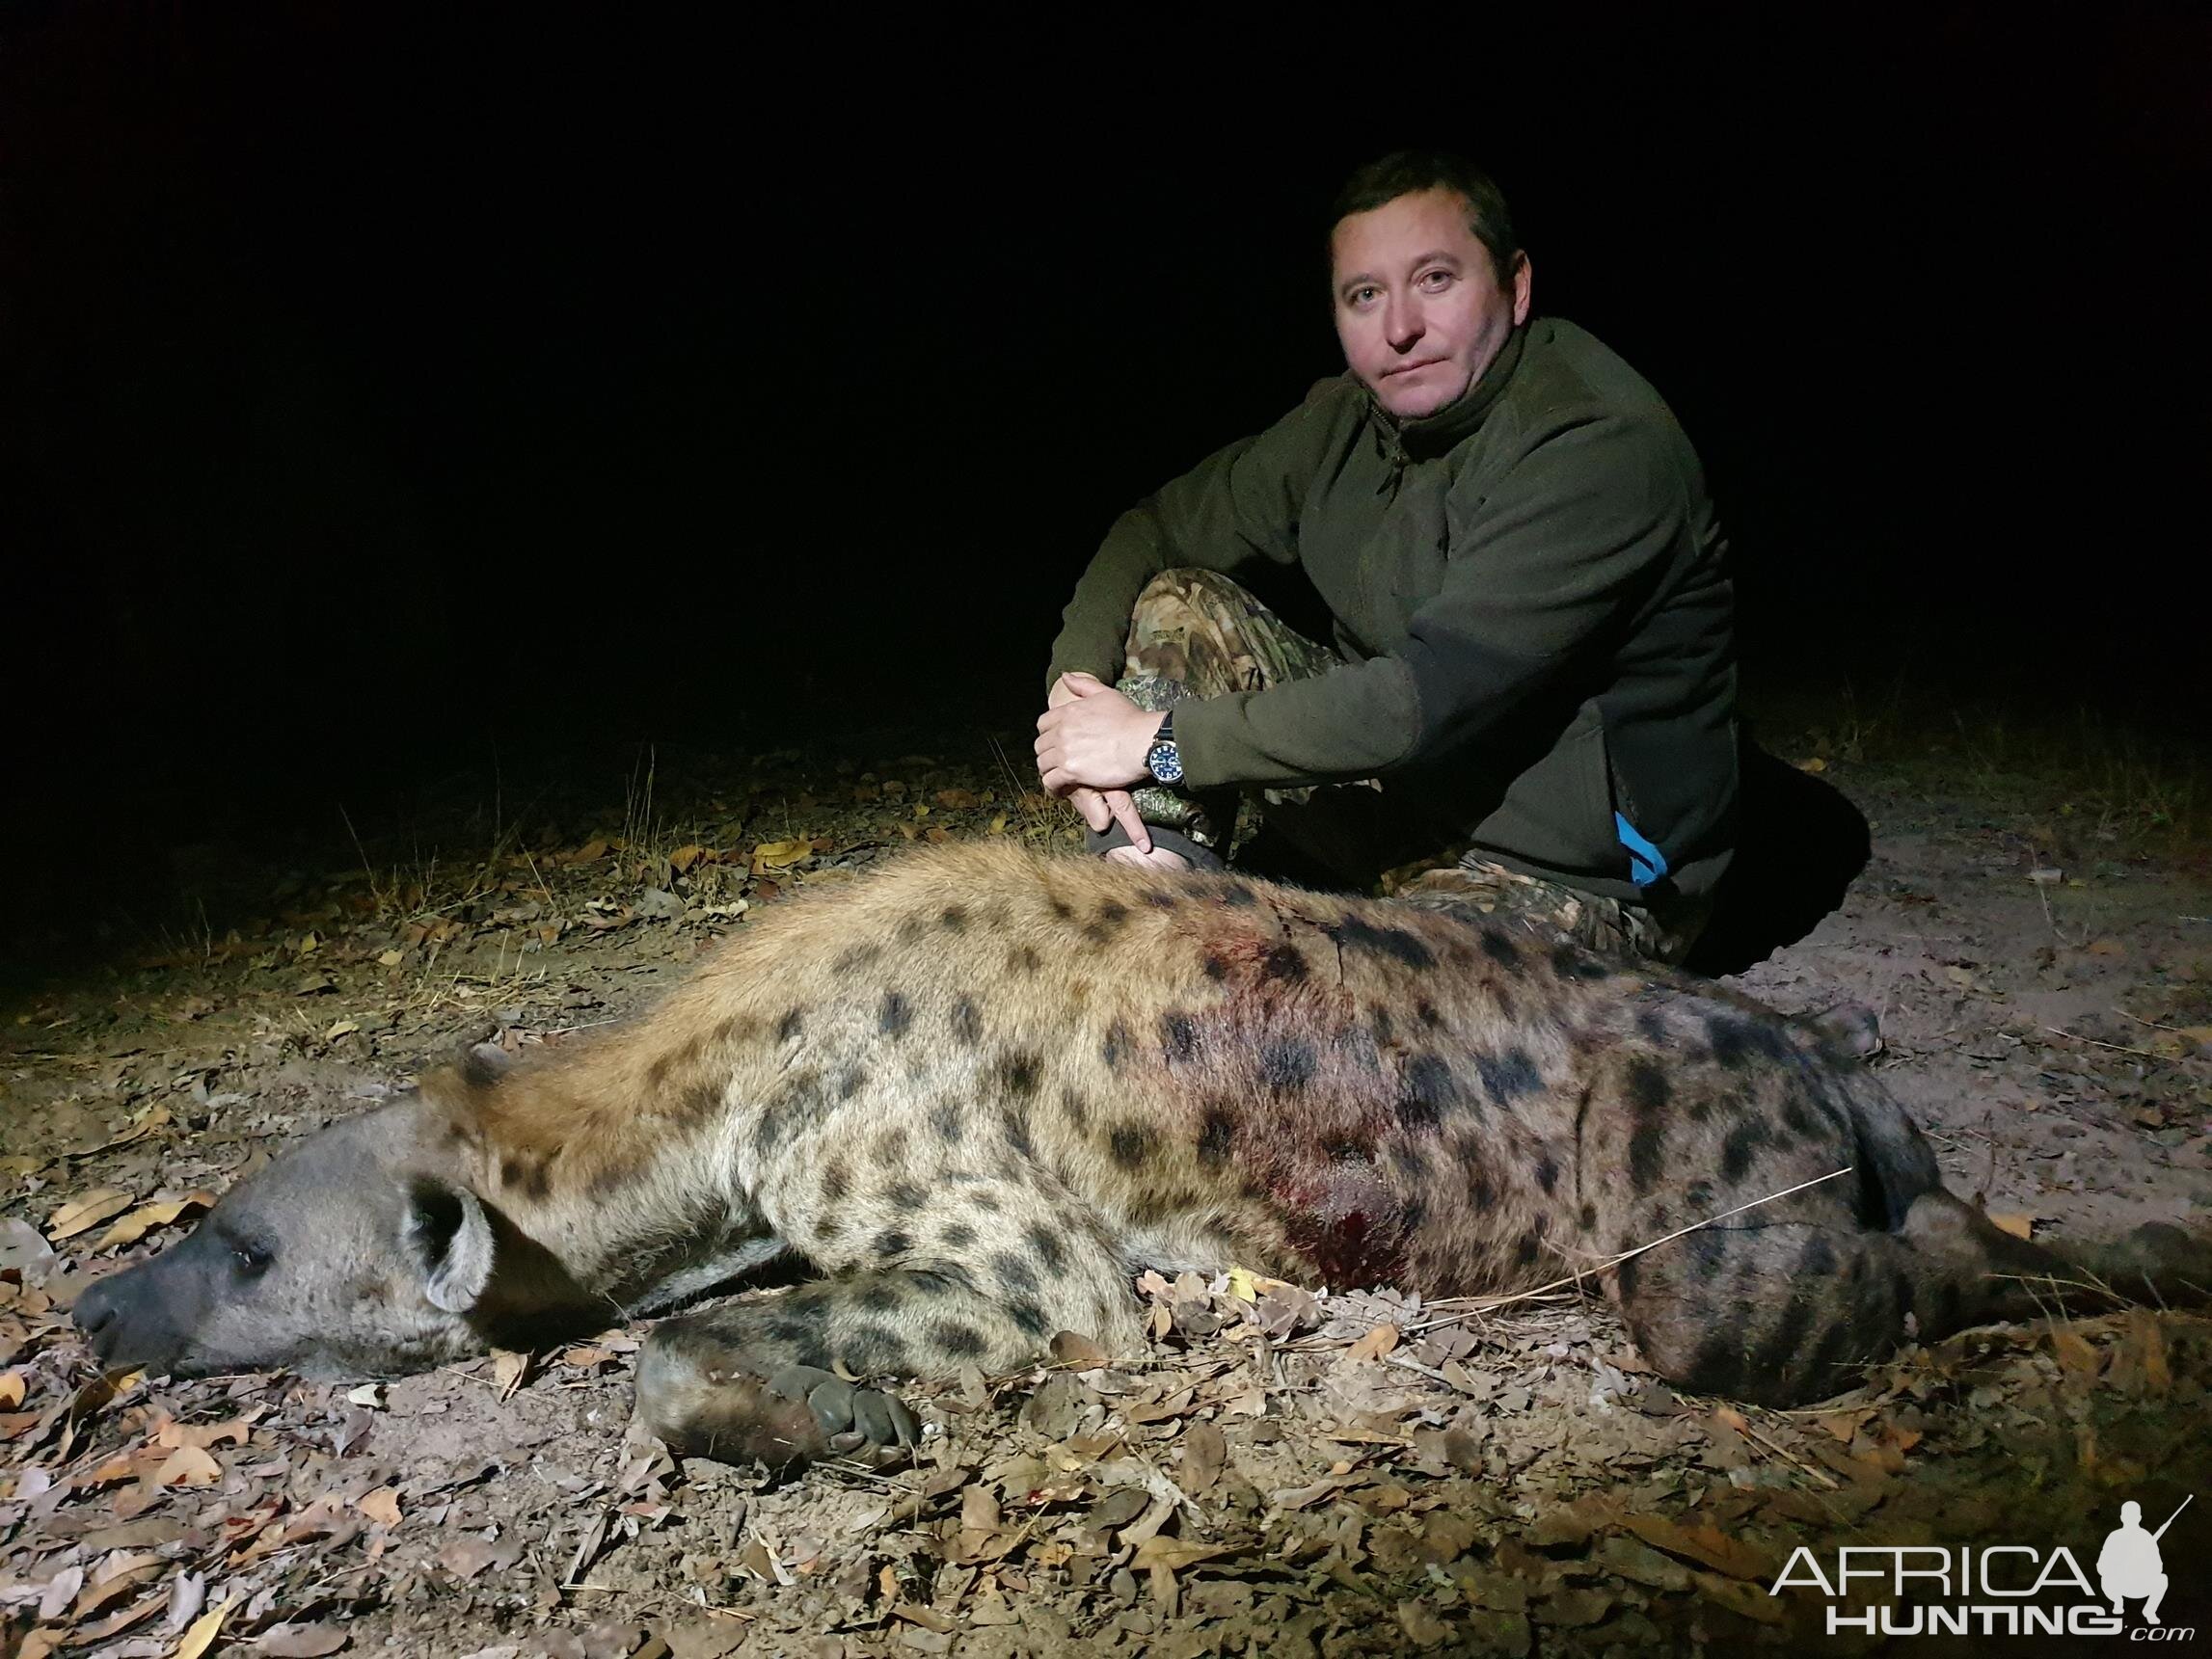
x: 1409, y: 172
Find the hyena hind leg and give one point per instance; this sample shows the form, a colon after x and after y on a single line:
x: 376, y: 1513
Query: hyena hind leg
x: 1777, y: 1313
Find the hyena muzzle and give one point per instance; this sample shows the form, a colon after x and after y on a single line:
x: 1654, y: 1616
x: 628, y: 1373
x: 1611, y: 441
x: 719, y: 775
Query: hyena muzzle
x: 977, y: 1088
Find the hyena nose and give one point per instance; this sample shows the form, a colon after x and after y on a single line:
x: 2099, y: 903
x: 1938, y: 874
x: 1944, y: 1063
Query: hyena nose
x: 94, y: 1314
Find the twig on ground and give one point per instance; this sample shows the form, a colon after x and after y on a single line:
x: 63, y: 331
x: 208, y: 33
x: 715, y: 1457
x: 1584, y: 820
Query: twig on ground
x: 2140, y: 1021
x: 1428, y: 1371
x: 594, y: 1535
x: 1793, y: 1459
x: 2051, y: 922
x: 2117, y: 1048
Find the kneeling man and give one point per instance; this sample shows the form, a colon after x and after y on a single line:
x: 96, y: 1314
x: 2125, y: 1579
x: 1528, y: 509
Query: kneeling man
x: 1530, y: 661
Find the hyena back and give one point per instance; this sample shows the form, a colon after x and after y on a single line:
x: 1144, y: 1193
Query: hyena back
x: 977, y: 1088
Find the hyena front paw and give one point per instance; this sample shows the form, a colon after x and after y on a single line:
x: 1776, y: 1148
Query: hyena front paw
x: 710, y: 1398
x: 849, y: 1416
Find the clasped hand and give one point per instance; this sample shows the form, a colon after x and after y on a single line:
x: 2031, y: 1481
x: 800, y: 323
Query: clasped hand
x: 1090, y: 746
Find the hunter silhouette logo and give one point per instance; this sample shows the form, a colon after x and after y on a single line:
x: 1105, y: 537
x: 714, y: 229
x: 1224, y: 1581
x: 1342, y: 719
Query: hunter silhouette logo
x: 1994, y: 1590
x: 2130, y: 1563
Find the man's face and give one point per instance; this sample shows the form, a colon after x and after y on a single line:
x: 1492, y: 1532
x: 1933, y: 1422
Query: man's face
x: 1419, y: 308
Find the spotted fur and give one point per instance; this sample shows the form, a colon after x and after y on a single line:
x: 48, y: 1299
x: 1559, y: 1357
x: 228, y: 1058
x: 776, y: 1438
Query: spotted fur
x: 977, y: 1088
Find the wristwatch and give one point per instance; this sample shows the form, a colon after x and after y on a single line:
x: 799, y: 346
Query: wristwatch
x: 1163, y: 759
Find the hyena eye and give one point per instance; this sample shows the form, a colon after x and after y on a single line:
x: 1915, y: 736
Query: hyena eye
x: 249, y: 1260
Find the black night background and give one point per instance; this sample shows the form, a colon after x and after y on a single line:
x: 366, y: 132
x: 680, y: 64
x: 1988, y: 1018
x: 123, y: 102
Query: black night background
x: 387, y: 388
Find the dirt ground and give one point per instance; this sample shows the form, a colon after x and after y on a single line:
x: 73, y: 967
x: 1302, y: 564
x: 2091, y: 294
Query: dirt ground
x: 1280, y: 1472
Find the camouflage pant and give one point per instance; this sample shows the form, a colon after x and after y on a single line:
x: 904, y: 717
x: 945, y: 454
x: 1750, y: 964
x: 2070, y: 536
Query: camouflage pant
x: 1194, y: 633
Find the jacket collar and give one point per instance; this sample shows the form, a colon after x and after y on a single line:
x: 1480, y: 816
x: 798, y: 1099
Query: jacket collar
x: 1432, y: 435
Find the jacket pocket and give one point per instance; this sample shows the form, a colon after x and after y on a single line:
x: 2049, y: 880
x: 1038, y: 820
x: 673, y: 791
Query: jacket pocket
x: 1559, y: 813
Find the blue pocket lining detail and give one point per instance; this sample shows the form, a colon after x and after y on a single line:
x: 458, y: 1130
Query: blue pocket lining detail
x: 1646, y: 862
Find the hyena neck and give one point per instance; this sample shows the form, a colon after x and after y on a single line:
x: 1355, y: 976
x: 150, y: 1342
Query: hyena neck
x: 596, y: 1155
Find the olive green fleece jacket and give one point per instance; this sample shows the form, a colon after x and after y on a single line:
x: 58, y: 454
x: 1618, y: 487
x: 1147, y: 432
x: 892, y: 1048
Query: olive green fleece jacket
x: 1531, y: 594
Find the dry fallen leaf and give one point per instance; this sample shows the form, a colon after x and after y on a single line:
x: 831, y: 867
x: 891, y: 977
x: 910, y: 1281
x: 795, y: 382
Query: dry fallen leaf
x: 1303, y: 1497
x: 1205, y: 1453
x: 88, y: 1401
x: 1422, y: 1627
x: 978, y: 1524
x: 116, y: 1577
x: 189, y: 1466
x: 1375, y: 1343
x: 1079, y: 1352
x: 148, y: 1217
x: 2144, y: 1350
x: 1172, y: 1552
x: 380, y: 1505
x: 2020, y: 1226
x: 1248, y: 1286
x: 13, y: 1388
x: 59, y: 1591
x: 466, y: 1557
x: 151, y: 1119
x: 780, y: 854
x: 1748, y: 1601
x: 1708, y: 1546
x: 201, y: 1636
x: 1898, y: 1435
x: 300, y: 1641
x: 928, y: 1617
x: 205, y: 1435
x: 115, y: 1623
x: 509, y: 1370
x: 82, y: 1214
x: 2078, y: 1357
x: 1845, y: 1424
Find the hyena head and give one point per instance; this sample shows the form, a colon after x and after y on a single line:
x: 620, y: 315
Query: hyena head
x: 353, y: 1253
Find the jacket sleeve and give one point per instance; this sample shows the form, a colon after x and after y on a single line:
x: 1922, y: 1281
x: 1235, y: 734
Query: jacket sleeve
x: 1239, y: 504
x: 1541, y: 565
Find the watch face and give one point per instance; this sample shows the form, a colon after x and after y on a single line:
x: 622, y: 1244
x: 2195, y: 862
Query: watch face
x: 1164, y: 763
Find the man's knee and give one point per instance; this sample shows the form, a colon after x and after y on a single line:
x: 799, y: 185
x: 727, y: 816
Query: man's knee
x: 1183, y: 580
x: 1176, y: 601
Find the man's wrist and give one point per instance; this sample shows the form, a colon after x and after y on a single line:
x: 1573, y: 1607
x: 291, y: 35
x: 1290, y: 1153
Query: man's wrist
x: 1163, y: 759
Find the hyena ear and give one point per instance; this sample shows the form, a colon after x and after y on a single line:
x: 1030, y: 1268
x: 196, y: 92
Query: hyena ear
x: 450, y: 1237
x: 484, y: 1065
x: 1848, y: 1031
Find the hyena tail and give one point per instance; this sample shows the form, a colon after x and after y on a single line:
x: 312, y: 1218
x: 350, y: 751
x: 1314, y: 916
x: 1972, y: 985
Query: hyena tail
x: 1967, y: 1270
x: 1792, y: 1312
x: 1788, y: 1303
